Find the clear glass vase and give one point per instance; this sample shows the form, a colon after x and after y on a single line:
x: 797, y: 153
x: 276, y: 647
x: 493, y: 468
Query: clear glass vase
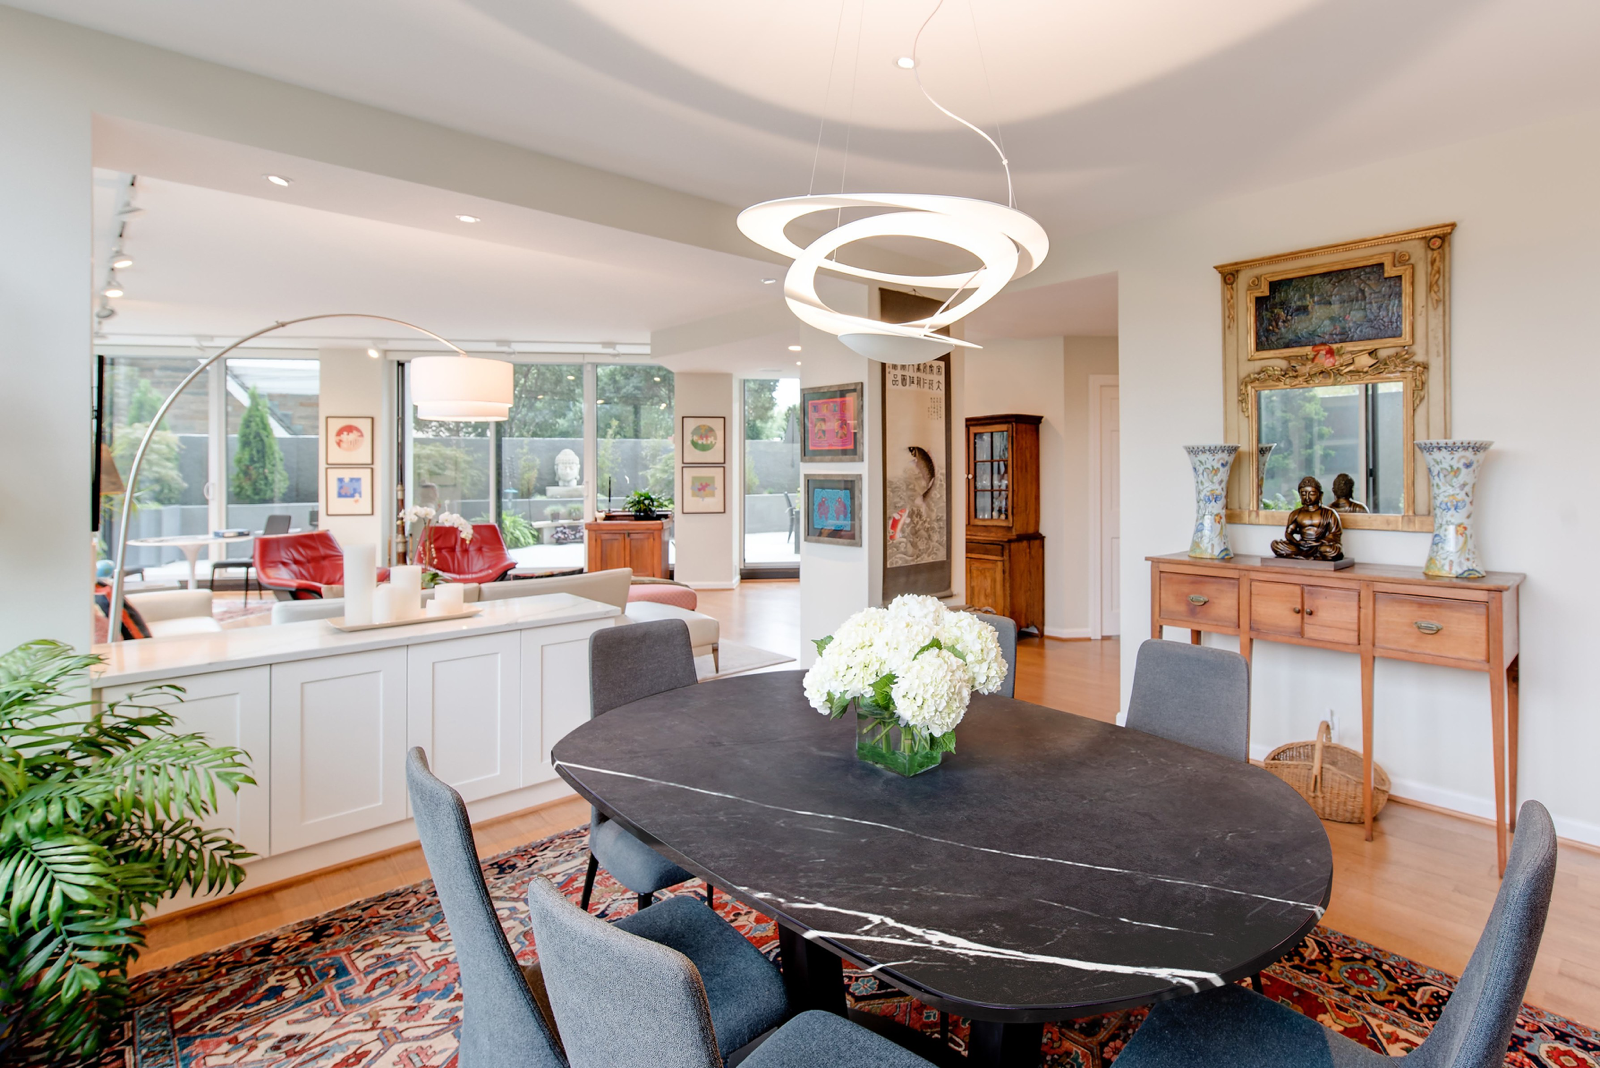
x: 882, y: 741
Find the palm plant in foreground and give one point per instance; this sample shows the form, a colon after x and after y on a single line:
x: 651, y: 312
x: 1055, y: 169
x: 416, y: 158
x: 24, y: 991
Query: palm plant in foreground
x: 102, y: 814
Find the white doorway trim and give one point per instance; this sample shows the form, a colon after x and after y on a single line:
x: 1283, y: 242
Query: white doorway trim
x: 1097, y: 383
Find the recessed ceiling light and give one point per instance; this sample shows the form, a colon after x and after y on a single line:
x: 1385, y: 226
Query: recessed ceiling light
x: 797, y: 363
x: 468, y: 218
x: 905, y: 63
x: 374, y: 353
x: 794, y: 348
x: 768, y: 281
x: 658, y: 378
x: 572, y: 378
x: 120, y: 260
x: 278, y: 180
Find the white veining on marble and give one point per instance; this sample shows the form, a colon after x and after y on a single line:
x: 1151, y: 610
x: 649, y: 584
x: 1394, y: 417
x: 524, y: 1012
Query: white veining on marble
x: 1317, y: 909
x: 949, y: 943
x: 1122, y: 919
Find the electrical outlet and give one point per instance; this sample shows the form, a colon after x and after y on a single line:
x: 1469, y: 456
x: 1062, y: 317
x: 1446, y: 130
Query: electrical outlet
x: 1333, y: 723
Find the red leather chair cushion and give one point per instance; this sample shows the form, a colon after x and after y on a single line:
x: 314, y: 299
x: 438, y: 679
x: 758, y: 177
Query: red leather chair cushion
x: 483, y: 559
x: 302, y: 563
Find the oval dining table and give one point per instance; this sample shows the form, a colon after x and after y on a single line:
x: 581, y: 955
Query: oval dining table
x: 1053, y: 867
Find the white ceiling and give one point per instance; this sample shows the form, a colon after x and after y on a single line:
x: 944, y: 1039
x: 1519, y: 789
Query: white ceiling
x: 1110, y: 109
x: 1083, y: 307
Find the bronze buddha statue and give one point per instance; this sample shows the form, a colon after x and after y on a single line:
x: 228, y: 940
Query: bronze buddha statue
x: 1314, y: 531
x: 1343, y: 487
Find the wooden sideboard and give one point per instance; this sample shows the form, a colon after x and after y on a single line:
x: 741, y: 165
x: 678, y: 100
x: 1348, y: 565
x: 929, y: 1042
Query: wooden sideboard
x: 1371, y: 610
x: 637, y: 543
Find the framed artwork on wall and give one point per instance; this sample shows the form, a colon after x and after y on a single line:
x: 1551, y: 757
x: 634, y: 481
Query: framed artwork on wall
x: 833, y: 423
x: 705, y: 440
x: 833, y: 509
x: 704, y: 491
x: 349, y: 491
x: 347, y: 440
x: 916, y: 478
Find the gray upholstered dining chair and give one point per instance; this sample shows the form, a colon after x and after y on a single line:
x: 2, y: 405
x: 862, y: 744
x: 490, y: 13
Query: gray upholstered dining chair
x: 1194, y: 695
x: 1006, y: 628
x: 629, y: 663
x: 651, y: 970
x: 1230, y: 1025
x: 505, y: 1018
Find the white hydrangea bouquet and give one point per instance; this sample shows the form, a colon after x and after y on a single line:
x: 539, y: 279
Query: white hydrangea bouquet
x: 909, y: 670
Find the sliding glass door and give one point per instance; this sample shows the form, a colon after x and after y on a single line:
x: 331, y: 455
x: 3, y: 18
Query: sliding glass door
x: 771, y: 473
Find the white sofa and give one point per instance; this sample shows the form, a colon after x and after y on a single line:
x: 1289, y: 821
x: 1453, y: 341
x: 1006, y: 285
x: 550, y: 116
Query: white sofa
x: 171, y: 613
x: 607, y: 587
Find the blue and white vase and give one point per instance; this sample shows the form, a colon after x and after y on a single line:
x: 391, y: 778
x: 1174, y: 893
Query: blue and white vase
x: 1452, y: 474
x: 1211, y: 465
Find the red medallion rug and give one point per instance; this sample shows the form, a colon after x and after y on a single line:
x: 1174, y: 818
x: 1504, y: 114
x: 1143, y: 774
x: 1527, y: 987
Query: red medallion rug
x: 375, y: 984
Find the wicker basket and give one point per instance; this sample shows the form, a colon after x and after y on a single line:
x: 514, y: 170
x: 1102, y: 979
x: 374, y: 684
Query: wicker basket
x: 1328, y: 776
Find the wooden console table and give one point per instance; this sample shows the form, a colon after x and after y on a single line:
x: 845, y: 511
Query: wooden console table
x: 637, y: 543
x: 1371, y: 610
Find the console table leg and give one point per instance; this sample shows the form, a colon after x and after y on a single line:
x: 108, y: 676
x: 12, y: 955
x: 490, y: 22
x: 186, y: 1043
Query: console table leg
x: 1194, y: 637
x: 1497, y: 718
x: 1513, y: 683
x: 1366, y: 740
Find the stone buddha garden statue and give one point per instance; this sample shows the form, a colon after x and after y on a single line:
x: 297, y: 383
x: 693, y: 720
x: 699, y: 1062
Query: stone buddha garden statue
x: 1314, y: 531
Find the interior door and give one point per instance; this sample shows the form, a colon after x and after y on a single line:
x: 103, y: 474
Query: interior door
x: 1110, y: 535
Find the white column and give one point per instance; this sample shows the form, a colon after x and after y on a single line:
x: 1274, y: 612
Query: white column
x: 353, y: 383
x: 707, y: 546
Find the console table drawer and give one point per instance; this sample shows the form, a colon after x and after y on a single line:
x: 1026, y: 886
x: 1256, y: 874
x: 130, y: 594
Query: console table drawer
x: 1200, y: 599
x: 1433, y: 626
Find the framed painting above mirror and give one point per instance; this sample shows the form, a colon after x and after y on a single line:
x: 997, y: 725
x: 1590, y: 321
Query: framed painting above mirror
x: 1337, y: 359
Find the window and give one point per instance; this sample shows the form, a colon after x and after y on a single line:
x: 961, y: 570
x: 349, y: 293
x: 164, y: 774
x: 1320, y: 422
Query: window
x: 171, y: 496
x: 449, y: 468
x: 542, y: 498
x: 273, y: 439
x: 633, y: 422
x: 771, y: 472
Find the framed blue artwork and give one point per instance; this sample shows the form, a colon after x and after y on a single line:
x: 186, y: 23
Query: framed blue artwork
x: 833, y: 509
x: 348, y: 492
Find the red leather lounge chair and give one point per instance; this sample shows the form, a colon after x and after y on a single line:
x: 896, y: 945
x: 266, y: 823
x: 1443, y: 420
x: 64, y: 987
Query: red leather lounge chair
x: 299, y: 565
x: 483, y: 559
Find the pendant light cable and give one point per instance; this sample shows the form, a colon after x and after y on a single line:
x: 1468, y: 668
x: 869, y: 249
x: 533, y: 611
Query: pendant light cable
x: 988, y: 86
x: 827, y: 94
x: 916, y: 70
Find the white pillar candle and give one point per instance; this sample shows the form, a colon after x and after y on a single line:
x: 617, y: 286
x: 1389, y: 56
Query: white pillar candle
x: 407, y: 582
x: 383, y: 604
x: 360, y: 579
x: 450, y: 596
x: 433, y: 608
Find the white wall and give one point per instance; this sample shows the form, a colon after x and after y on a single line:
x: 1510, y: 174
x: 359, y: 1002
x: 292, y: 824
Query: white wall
x: 1525, y: 372
x: 707, y: 546
x: 353, y: 383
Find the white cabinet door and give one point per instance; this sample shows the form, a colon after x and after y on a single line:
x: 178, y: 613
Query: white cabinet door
x: 555, y: 691
x: 229, y: 708
x: 462, y: 710
x: 338, y: 746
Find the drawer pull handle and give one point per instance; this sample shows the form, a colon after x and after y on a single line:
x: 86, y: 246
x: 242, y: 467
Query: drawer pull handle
x: 1198, y: 598
x: 1427, y: 626
x: 1296, y: 611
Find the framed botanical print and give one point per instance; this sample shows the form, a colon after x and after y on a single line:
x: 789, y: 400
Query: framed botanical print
x: 834, y: 423
x: 349, y: 491
x: 705, y: 439
x: 704, y: 491
x: 833, y: 509
x: 347, y: 439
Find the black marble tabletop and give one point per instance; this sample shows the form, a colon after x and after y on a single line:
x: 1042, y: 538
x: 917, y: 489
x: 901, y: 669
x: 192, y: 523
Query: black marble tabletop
x: 1052, y: 867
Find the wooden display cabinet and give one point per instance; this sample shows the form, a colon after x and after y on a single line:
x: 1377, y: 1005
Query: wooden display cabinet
x: 1005, y: 551
x: 637, y: 543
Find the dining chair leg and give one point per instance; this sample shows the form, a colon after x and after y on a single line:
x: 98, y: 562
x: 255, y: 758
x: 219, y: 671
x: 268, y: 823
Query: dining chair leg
x: 645, y: 901
x: 1255, y: 982
x: 588, y: 881
x: 944, y: 1028
x: 711, y: 896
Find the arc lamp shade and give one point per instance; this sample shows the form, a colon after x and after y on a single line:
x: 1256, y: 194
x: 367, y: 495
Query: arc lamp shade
x: 461, y: 388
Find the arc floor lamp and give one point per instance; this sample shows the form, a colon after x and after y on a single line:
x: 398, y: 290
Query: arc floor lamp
x: 458, y: 387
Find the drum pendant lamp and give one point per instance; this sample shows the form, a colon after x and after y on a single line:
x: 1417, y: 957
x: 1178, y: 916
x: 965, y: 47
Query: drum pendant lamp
x: 461, y: 388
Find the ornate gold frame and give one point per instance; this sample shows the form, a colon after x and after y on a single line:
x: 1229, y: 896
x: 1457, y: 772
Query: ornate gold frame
x: 1420, y: 359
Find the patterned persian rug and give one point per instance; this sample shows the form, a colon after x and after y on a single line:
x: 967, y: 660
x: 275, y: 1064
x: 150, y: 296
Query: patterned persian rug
x: 375, y: 984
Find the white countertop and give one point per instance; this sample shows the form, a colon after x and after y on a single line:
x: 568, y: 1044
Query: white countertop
x: 157, y: 659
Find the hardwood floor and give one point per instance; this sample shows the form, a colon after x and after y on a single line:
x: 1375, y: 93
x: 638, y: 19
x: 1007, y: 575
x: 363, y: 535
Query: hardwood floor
x: 1422, y: 888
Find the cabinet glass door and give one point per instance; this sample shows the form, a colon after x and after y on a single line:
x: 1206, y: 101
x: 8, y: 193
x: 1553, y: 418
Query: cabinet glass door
x: 991, y: 455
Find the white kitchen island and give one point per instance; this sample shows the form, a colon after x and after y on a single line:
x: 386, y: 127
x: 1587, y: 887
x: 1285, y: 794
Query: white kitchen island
x: 327, y: 718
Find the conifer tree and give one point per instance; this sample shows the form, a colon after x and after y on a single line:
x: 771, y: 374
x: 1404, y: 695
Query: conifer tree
x: 258, y: 473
